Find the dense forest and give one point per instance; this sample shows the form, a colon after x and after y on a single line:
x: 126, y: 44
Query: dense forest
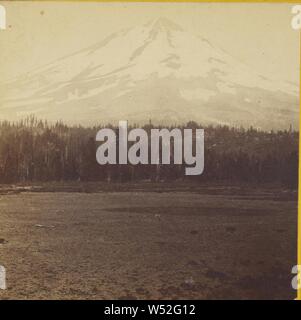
x: 34, y: 150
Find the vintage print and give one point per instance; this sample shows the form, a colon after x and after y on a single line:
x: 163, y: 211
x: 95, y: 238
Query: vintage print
x: 149, y: 150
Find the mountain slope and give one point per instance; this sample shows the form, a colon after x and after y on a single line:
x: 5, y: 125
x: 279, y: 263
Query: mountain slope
x: 156, y: 71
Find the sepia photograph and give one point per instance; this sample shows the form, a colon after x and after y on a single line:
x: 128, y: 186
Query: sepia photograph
x: 149, y: 150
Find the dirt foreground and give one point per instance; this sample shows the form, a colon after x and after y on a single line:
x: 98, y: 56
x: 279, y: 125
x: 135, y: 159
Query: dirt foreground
x: 147, y: 245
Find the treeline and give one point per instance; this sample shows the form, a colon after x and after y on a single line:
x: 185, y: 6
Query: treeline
x: 33, y: 150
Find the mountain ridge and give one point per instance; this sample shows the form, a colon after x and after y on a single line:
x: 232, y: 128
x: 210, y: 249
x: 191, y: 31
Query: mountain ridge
x: 161, y: 68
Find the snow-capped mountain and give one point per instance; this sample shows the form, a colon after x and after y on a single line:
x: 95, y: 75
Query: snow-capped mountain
x: 156, y: 71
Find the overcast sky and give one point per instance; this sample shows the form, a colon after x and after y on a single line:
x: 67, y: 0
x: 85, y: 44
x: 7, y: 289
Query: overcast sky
x: 257, y: 34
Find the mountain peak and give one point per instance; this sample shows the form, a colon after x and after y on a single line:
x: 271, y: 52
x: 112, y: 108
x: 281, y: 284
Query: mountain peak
x: 175, y: 75
x: 164, y: 24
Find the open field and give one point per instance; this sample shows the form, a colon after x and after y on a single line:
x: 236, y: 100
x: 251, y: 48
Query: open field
x: 148, y: 243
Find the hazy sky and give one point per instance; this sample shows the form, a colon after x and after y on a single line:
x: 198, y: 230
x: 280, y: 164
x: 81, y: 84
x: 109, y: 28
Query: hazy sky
x: 258, y: 34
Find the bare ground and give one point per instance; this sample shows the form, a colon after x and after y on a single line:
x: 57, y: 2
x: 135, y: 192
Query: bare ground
x: 159, y: 244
